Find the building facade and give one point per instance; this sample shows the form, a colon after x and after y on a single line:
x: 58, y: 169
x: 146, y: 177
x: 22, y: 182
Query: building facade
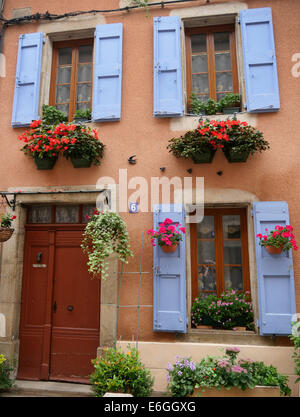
x: 136, y: 69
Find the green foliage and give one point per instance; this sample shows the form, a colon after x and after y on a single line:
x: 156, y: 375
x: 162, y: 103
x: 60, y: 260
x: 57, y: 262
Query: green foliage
x: 140, y: 3
x: 6, y: 220
x: 223, y: 372
x: 230, y: 100
x: 53, y: 116
x: 188, y: 144
x: 104, y: 235
x: 210, y: 106
x: 83, y: 114
x: 6, y: 368
x: 121, y: 372
x: 230, y: 310
x: 295, y: 338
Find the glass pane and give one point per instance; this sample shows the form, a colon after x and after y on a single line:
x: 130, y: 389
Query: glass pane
x: 220, y: 95
x: 223, y: 61
x: 84, y: 92
x: 85, y: 53
x: 231, y: 227
x: 206, y: 252
x: 198, y: 43
x: 87, y: 210
x: 199, y: 63
x: 202, y: 97
x: 224, y: 81
x: 63, y: 75
x: 207, y: 278
x: 200, y: 83
x: 232, y: 252
x: 62, y: 94
x: 63, y: 107
x: 83, y: 106
x: 39, y: 214
x: 206, y: 229
x: 84, y: 72
x: 233, y: 277
x: 66, y: 214
x: 222, y: 41
x: 65, y: 56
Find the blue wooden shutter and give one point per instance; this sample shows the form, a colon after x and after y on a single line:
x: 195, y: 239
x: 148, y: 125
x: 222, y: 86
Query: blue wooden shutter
x: 167, y: 67
x: 276, y: 292
x: 107, y: 88
x: 169, y: 285
x: 28, y: 75
x: 262, y: 92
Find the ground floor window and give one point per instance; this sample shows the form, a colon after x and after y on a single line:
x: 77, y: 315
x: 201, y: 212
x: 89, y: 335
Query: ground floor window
x: 219, y: 252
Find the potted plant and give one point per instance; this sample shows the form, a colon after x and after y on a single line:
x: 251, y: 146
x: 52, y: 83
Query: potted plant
x: 168, y: 235
x: 52, y: 116
x: 295, y: 338
x: 105, y: 234
x: 200, y: 144
x: 5, y: 227
x: 232, y: 310
x: 81, y: 144
x: 281, y: 239
x: 225, y: 376
x: 207, y: 107
x: 243, y: 140
x: 6, y: 369
x: 121, y: 372
x: 230, y: 104
x: 83, y: 116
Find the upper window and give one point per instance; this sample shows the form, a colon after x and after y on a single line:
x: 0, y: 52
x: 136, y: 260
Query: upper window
x: 219, y: 252
x: 211, y: 62
x: 71, y: 84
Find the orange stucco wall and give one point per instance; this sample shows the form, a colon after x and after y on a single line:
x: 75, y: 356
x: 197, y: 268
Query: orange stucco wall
x: 272, y: 175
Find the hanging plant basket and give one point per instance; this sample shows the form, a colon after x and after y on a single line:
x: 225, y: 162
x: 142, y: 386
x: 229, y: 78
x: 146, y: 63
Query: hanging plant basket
x: 81, y: 162
x: 169, y: 249
x: 204, y: 157
x: 45, y: 163
x: 5, y: 233
x: 273, y: 250
x: 235, y: 156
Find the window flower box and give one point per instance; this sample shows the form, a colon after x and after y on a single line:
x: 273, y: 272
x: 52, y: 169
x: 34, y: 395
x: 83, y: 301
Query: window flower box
x: 257, y: 391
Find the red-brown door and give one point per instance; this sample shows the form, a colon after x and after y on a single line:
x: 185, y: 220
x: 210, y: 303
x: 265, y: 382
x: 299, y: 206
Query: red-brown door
x: 60, y: 312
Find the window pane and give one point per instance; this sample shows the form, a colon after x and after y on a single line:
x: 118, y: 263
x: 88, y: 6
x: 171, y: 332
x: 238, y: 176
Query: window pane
x: 39, y: 214
x: 231, y: 227
x: 198, y: 43
x: 84, y: 92
x: 63, y: 107
x: 223, y: 61
x: 65, y: 56
x: 85, y: 53
x: 63, y: 75
x: 62, y: 94
x: 83, y: 106
x: 207, y: 278
x: 202, y: 97
x: 206, y: 229
x: 233, y: 277
x: 224, y: 81
x: 232, y: 252
x: 200, y: 83
x: 222, y: 41
x: 84, y: 72
x: 206, y: 252
x: 66, y: 214
x: 199, y: 63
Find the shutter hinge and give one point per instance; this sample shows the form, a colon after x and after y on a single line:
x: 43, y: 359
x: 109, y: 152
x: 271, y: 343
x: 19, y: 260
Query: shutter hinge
x: 239, y: 20
x: 257, y: 323
x: 245, y: 105
x: 252, y: 212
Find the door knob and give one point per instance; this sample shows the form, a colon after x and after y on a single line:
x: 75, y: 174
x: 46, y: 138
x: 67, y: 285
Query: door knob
x: 70, y: 308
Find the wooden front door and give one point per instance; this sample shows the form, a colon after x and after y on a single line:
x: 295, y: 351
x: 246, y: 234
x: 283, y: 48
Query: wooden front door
x: 60, y: 311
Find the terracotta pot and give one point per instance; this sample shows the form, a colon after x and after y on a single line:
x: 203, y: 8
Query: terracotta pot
x: 274, y: 251
x: 169, y: 249
x: 240, y: 328
x: 258, y: 391
x: 203, y: 326
x: 5, y: 233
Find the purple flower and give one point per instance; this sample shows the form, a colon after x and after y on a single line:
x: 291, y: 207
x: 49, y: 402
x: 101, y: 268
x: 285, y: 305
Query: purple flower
x: 223, y: 363
x: 232, y: 349
x: 238, y: 369
x: 179, y: 373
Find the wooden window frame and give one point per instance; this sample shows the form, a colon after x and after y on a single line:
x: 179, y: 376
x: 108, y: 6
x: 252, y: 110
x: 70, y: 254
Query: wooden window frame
x: 218, y: 213
x: 80, y: 220
x: 74, y: 44
x: 209, y: 31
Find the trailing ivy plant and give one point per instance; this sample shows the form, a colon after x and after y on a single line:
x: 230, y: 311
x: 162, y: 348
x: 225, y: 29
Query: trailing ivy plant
x: 140, y: 3
x: 295, y: 338
x: 105, y: 234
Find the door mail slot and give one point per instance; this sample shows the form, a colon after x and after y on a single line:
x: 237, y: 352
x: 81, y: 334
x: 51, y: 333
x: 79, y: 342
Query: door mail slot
x: 39, y: 266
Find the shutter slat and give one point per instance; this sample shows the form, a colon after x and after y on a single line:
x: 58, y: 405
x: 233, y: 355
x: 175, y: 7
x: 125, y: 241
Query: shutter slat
x: 276, y: 292
x: 261, y: 80
x: 169, y: 278
x: 27, y: 84
x: 167, y: 67
x: 107, y: 84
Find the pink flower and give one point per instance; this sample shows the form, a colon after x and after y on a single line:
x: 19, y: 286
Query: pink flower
x: 259, y: 235
x: 182, y: 229
x: 167, y: 221
x: 87, y: 217
x: 162, y: 229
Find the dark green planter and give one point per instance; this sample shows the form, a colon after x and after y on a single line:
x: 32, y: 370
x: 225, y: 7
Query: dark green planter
x: 204, y: 157
x: 232, y: 156
x: 81, y: 162
x: 231, y: 110
x: 45, y: 163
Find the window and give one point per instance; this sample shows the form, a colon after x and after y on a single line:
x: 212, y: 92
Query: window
x: 211, y: 62
x: 71, y: 83
x: 59, y: 214
x: 219, y: 252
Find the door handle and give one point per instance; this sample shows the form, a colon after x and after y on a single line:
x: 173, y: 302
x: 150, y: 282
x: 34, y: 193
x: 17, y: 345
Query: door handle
x: 70, y: 308
x: 54, y: 307
x: 39, y: 257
